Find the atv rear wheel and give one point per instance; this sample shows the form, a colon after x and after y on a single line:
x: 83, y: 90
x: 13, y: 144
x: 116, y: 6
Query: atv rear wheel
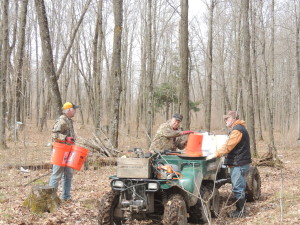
x: 215, y: 203
x: 107, y: 205
x: 201, y: 212
x: 253, y: 189
x: 175, y: 212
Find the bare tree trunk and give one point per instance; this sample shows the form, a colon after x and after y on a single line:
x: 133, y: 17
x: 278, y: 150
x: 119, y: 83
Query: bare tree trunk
x: 38, y: 74
x: 236, y: 85
x: 255, y: 81
x: 116, y: 73
x: 3, y: 73
x: 270, y: 158
x: 48, y: 56
x: 184, y: 63
x: 246, y: 34
x: 140, y: 102
x: 97, y: 57
x: 208, y: 99
x: 19, y: 63
x: 269, y: 102
x: 298, y: 65
x: 149, y: 80
x: 225, y: 97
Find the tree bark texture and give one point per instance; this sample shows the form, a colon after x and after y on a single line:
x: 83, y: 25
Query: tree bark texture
x: 116, y: 73
x: 97, y: 65
x: 298, y: 65
x: 247, y: 74
x: 184, y: 63
x: 149, y: 77
x: 48, y: 56
x: 3, y: 73
x: 20, y: 55
x: 256, y: 97
x: 209, y: 61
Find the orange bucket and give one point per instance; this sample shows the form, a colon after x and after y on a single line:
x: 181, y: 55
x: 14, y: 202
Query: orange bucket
x: 60, y: 153
x: 77, y: 157
x: 194, y: 145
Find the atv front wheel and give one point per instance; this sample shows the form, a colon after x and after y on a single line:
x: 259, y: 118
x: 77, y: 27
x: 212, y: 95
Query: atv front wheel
x: 253, y: 189
x: 107, y: 206
x: 201, y: 212
x: 175, y: 212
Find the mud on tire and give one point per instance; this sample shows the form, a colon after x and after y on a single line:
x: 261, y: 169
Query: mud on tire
x: 200, y: 213
x: 106, y: 207
x: 175, y: 212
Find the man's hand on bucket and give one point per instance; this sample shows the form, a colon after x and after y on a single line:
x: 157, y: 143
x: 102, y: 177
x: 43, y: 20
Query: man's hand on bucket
x: 187, y: 132
x: 211, y: 157
x: 70, y: 140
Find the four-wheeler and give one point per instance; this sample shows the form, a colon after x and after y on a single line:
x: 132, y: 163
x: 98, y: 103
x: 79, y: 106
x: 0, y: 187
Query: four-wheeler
x: 169, y: 187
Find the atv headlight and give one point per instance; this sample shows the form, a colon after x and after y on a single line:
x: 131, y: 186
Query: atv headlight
x: 118, y: 184
x: 152, y: 186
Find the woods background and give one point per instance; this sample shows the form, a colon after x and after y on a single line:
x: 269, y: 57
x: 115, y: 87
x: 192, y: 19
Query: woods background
x: 130, y: 64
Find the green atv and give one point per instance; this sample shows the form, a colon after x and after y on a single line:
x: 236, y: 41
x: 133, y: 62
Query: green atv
x: 171, y: 188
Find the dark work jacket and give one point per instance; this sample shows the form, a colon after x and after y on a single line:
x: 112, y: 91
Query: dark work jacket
x: 240, y: 154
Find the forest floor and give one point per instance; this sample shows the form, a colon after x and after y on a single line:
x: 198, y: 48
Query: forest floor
x: 279, y: 203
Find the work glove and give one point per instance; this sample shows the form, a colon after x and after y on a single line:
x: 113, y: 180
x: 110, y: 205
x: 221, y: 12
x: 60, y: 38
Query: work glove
x: 187, y: 132
x: 211, y: 157
x: 70, y: 140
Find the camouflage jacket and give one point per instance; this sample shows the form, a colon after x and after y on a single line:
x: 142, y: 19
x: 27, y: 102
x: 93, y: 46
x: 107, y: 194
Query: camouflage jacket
x: 62, y: 129
x: 167, y: 139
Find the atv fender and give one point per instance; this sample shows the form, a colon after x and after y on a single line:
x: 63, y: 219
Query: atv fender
x: 191, y: 181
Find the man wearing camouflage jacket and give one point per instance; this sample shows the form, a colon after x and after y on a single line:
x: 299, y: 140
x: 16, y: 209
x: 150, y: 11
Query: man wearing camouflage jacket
x: 169, y: 136
x: 63, y: 131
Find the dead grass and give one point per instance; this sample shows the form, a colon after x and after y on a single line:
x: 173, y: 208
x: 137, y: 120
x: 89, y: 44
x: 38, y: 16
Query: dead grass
x: 90, y: 185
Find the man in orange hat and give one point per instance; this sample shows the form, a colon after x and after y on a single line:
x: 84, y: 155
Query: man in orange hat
x: 63, y: 131
x: 238, y: 158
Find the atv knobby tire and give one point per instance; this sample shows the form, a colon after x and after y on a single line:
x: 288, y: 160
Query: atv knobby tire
x: 175, y: 212
x: 107, y: 205
x: 215, y: 203
x: 253, y: 189
x: 201, y: 212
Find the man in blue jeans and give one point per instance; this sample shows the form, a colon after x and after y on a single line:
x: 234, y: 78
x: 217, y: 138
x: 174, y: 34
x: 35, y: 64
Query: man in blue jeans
x: 63, y: 131
x: 238, y: 158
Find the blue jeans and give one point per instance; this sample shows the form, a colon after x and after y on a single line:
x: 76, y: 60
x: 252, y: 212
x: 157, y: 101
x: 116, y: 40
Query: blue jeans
x: 66, y: 173
x: 238, y: 180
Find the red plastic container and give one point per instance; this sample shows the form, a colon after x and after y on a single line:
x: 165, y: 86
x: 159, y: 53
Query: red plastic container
x: 194, y: 145
x: 77, y: 157
x: 60, y: 153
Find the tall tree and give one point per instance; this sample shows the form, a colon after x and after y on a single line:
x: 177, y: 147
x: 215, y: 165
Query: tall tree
x: 3, y: 72
x: 150, y: 71
x: 97, y: 62
x: 184, y: 63
x: 298, y: 64
x: 48, y: 55
x: 209, y: 66
x: 116, y: 73
x: 256, y: 96
x: 236, y: 85
x: 270, y: 84
x: 20, y: 54
x: 247, y: 74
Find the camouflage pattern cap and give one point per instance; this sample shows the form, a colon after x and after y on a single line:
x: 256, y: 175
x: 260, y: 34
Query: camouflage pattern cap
x: 178, y: 116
